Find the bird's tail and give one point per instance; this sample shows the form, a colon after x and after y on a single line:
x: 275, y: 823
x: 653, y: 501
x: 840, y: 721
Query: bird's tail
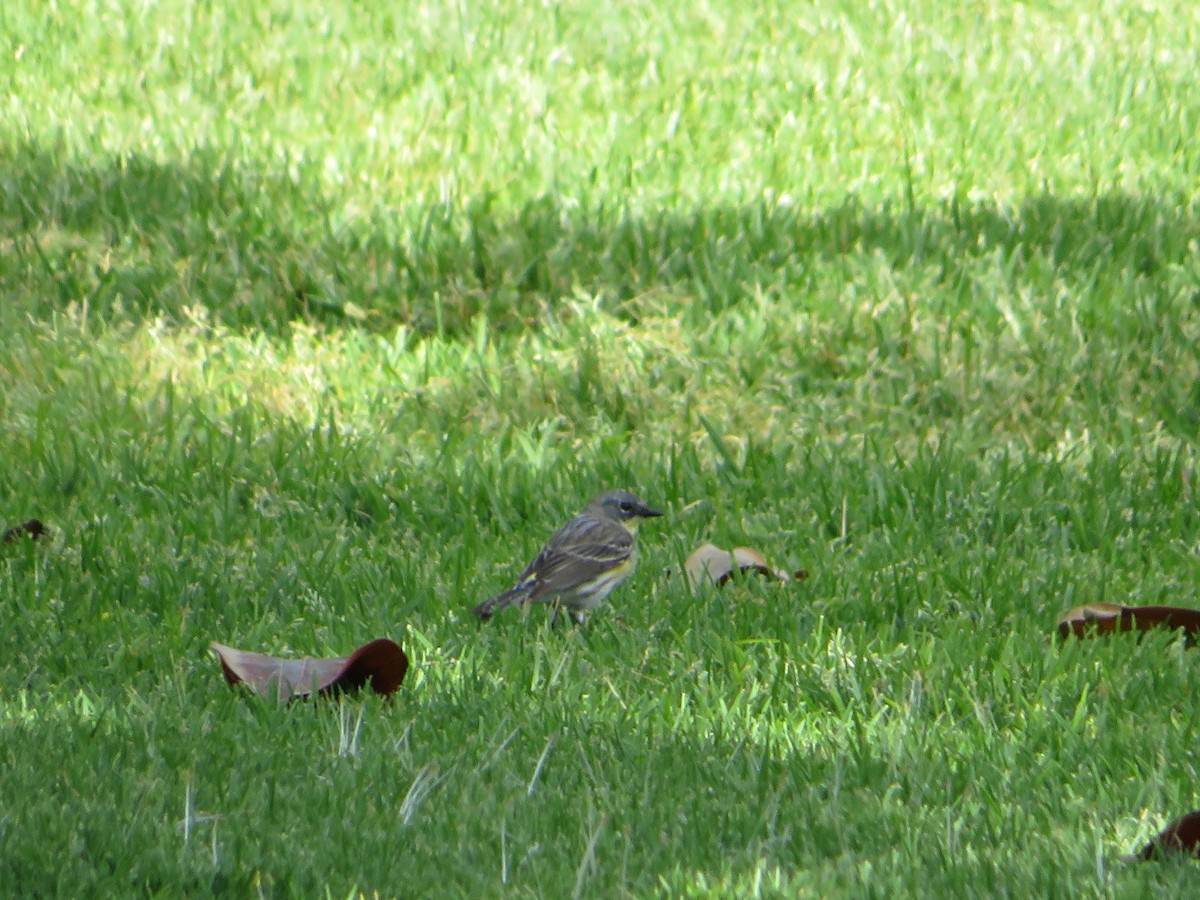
x: 515, y: 597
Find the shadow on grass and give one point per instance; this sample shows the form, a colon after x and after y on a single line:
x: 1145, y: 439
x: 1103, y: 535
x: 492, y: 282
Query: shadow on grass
x: 260, y: 249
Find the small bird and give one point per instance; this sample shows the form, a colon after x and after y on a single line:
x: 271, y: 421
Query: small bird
x: 583, y: 562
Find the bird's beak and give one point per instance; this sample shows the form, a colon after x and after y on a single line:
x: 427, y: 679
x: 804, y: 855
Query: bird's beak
x: 647, y: 513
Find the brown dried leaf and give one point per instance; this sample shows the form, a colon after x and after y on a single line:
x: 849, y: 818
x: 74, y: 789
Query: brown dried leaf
x: 1181, y: 836
x: 33, y: 529
x: 711, y: 562
x: 381, y: 662
x: 1107, y: 618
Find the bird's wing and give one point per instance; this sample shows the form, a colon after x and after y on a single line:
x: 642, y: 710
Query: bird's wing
x: 583, y: 549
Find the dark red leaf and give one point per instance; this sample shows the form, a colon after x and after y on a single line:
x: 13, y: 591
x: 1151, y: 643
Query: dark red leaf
x: 1181, y: 836
x: 33, y: 529
x: 381, y: 662
x: 1107, y: 618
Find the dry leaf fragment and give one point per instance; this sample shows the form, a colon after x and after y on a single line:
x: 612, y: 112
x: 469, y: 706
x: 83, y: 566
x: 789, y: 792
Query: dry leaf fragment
x: 33, y: 529
x: 1107, y: 618
x: 1181, y: 836
x: 710, y: 562
x: 381, y: 662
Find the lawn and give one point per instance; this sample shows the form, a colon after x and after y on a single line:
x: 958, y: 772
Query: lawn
x: 317, y: 318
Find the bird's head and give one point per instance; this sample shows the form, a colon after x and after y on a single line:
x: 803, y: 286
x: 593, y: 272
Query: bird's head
x: 625, y: 507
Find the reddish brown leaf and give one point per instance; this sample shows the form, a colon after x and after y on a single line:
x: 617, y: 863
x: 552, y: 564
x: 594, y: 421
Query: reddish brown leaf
x: 710, y: 562
x: 381, y: 662
x: 1106, y: 618
x: 1181, y: 836
x: 33, y: 529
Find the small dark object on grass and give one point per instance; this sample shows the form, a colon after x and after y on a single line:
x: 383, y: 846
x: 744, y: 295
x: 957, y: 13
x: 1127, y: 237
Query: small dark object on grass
x: 1108, y: 618
x: 1180, y: 837
x: 381, y: 662
x: 33, y: 529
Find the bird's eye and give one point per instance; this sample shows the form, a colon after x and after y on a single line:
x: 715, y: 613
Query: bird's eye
x: 626, y: 506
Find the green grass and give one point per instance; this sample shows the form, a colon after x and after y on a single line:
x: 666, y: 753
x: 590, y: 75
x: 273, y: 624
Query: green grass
x: 315, y: 319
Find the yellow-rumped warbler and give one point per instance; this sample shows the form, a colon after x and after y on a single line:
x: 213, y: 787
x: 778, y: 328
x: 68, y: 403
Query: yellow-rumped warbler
x: 583, y: 562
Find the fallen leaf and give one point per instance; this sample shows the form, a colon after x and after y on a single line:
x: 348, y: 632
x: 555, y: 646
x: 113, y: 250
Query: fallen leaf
x: 1181, y: 836
x: 33, y: 529
x: 1107, y: 618
x: 381, y: 662
x: 710, y: 562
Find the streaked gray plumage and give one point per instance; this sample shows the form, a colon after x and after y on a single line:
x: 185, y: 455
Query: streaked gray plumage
x: 584, y: 560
